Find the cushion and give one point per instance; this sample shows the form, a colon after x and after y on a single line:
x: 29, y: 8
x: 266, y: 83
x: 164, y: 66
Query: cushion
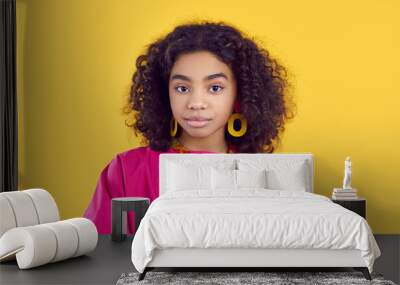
x: 281, y: 174
x: 27, y: 208
x: 181, y: 177
x: 7, y: 220
x: 251, y: 178
x: 230, y: 179
x: 223, y: 179
x: 288, y: 179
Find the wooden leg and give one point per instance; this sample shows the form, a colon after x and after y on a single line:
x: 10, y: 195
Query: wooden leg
x: 142, y: 275
x: 364, y: 271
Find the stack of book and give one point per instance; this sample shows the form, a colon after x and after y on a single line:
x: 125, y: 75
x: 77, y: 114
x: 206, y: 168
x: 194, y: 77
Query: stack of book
x: 344, y: 194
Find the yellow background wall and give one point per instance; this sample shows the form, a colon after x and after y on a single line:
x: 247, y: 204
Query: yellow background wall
x: 76, y: 58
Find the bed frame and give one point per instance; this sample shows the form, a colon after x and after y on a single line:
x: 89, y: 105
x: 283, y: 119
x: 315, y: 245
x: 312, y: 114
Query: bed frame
x: 242, y: 259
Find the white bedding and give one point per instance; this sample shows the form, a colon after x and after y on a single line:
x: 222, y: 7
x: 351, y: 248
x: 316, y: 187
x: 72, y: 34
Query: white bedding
x: 250, y: 218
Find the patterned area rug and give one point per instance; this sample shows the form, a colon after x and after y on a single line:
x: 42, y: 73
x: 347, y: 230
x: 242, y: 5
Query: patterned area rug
x: 225, y: 278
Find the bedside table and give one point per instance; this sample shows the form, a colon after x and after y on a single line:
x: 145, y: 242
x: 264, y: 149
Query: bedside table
x: 357, y: 205
x: 119, y: 208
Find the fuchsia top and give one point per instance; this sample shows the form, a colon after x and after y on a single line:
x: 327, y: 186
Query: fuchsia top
x: 133, y: 173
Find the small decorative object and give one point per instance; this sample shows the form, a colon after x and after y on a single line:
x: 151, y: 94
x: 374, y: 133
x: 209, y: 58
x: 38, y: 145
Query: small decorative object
x: 347, y: 192
x: 347, y: 174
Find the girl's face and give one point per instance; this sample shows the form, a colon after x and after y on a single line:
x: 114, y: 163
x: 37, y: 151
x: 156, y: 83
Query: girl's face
x: 202, y: 91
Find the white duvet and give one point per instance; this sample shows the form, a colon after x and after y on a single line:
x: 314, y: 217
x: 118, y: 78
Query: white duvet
x: 250, y: 218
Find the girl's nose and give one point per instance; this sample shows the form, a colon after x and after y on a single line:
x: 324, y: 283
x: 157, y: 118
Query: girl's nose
x: 196, y: 101
x: 196, y: 106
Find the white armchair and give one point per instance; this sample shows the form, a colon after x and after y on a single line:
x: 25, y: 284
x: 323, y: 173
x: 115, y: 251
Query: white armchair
x: 31, y: 231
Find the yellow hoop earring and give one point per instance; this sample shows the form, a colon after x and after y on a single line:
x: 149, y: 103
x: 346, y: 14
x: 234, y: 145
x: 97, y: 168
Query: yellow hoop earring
x: 243, y: 125
x: 174, y: 127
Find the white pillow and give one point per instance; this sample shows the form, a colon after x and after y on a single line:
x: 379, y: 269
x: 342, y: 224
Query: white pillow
x: 223, y: 179
x: 236, y: 179
x: 282, y: 174
x: 181, y: 177
x: 294, y: 178
x: 251, y: 178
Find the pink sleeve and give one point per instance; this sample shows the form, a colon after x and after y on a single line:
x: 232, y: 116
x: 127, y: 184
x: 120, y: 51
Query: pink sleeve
x: 109, y: 185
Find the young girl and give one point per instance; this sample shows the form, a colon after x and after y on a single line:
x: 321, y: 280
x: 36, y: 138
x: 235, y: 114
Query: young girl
x: 203, y: 88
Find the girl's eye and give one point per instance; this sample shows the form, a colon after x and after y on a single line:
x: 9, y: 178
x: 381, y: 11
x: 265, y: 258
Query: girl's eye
x: 213, y: 89
x: 181, y: 89
x: 216, y: 88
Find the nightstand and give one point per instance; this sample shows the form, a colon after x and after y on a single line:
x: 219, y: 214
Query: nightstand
x: 119, y: 208
x: 357, y: 205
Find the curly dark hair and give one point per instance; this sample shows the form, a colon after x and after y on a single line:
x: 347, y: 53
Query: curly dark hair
x: 262, y: 85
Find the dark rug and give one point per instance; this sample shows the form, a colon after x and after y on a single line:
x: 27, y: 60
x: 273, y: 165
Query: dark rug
x: 225, y: 278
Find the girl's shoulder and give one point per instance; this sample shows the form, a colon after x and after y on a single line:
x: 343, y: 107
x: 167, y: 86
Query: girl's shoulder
x: 132, y: 155
x: 137, y: 155
x: 129, y: 161
x: 135, y: 152
x: 141, y: 151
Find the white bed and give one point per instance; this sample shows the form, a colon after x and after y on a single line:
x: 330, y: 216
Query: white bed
x: 246, y: 225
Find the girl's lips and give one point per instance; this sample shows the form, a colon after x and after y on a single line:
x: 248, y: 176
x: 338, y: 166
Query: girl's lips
x: 197, y: 124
